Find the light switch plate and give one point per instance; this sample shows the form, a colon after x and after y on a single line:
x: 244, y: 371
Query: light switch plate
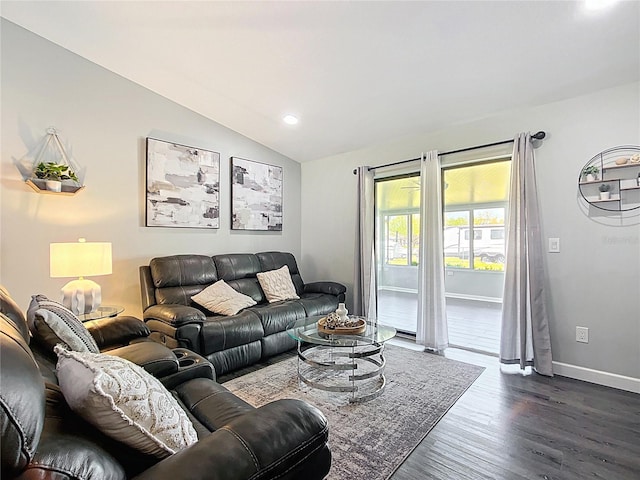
x: 554, y: 245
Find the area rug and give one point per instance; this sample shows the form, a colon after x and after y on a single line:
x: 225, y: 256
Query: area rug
x: 370, y: 440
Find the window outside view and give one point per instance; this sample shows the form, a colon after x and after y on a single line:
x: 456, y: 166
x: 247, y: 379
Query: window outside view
x: 398, y: 230
x: 484, y: 236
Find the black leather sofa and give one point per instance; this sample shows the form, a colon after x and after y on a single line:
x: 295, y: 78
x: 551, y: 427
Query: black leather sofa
x: 42, y: 438
x: 228, y: 342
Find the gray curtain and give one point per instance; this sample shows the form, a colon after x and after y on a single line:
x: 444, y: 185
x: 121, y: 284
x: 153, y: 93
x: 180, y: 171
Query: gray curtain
x: 432, y: 329
x: 364, y: 284
x: 525, y: 325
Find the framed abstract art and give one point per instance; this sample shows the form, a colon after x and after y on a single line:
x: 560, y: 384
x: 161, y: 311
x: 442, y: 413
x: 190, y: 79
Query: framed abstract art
x: 256, y: 195
x: 183, y: 186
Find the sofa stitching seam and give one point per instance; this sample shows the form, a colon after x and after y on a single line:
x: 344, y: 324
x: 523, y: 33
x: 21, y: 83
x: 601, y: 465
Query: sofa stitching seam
x: 298, y: 463
x: 246, y: 447
x: 205, y: 398
x: 295, y: 450
x: 23, y: 432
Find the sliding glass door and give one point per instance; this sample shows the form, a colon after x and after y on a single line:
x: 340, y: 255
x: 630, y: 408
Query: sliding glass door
x: 397, y: 247
x: 475, y: 206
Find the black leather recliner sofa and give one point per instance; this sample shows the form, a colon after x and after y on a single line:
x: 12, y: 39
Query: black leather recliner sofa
x: 228, y: 342
x: 42, y: 438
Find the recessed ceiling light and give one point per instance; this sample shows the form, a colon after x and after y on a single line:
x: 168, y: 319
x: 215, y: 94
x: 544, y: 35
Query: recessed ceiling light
x: 290, y: 119
x: 598, y: 4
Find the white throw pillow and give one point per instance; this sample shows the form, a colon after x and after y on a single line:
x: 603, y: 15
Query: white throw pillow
x: 124, y: 402
x: 223, y: 299
x: 277, y: 284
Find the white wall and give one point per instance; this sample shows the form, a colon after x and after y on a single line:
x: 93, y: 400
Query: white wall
x: 594, y: 281
x: 105, y: 120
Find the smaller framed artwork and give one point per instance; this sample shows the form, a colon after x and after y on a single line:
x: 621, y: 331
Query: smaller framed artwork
x: 183, y: 186
x: 256, y: 195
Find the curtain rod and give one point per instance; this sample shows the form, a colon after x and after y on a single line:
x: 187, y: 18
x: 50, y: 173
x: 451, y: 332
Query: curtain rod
x: 538, y: 136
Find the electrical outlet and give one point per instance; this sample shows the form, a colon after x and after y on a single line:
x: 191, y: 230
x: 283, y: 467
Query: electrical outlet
x: 554, y: 245
x: 582, y: 334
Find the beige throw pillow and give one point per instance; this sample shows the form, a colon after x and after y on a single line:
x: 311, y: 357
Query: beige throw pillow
x: 223, y: 299
x: 124, y: 402
x: 277, y: 284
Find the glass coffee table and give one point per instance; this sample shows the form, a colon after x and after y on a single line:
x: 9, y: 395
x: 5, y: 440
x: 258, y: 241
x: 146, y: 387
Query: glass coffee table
x: 352, y: 363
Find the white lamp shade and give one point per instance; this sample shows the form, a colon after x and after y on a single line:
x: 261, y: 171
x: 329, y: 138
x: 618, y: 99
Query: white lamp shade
x: 80, y: 259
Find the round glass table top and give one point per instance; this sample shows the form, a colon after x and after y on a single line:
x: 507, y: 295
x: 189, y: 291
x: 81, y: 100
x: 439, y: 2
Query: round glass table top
x: 306, y: 330
x: 103, y: 311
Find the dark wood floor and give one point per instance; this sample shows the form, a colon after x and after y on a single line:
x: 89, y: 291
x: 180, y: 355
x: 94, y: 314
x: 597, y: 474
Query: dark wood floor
x: 510, y: 427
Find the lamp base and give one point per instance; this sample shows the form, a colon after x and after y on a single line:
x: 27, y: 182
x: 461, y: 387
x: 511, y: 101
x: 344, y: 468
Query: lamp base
x: 81, y: 296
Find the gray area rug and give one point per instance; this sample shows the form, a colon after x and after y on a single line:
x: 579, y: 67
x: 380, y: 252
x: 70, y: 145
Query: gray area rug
x: 370, y: 440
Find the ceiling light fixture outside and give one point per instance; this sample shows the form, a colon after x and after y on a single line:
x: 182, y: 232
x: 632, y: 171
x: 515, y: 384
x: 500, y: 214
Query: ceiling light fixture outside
x: 290, y: 119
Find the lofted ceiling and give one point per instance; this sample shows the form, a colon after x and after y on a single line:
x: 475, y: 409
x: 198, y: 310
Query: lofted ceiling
x: 357, y: 74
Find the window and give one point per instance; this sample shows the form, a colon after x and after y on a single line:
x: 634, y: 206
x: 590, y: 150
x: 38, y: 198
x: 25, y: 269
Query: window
x: 398, y: 220
x: 475, y: 201
x: 399, y: 250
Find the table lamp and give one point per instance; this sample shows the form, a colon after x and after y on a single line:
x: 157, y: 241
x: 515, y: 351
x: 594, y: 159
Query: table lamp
x: 81, y: 259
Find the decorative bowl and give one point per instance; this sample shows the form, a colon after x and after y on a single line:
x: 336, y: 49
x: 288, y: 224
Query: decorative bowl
x: 358, y: 326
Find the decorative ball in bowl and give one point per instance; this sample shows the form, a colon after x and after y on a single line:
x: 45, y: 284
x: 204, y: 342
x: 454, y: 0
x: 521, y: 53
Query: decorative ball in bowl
x: 336, y: 325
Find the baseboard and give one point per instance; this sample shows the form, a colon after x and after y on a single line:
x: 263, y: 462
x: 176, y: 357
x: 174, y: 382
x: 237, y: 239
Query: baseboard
x: 607, y: 379
x: 479, y: 298
x: 461, y: 296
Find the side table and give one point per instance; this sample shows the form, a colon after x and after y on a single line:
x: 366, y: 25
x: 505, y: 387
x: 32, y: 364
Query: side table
x: 103, y: 311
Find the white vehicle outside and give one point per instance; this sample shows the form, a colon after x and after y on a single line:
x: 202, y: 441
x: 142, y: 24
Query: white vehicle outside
x: 488, y: 242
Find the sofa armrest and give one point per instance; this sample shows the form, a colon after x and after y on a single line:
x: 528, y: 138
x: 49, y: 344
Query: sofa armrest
x: 331, y: 288
x: 116, y: 331
x: 190, y: 366
x: 275, y: 439
x: 174, y: 315
x: 155, y: 358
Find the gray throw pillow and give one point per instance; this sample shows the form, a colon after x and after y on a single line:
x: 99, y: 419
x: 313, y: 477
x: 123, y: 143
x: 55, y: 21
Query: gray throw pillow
x: 53, y: 323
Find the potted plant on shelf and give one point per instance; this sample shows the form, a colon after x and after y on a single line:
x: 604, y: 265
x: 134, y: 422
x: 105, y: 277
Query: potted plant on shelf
x: 605, y: 194
x: 591, y: 173
x: 53, y: 173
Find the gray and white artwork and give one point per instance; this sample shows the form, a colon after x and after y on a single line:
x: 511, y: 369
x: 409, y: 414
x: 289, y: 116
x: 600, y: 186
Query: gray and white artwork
x: 183, y: 186
x: 256, y: 195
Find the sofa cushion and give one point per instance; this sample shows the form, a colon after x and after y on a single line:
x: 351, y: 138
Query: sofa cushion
x: 275, y: 260
x: 210, y: 403
x: 221, y: 298
x: 277, y: 285
x: 180, y: 270
x: 13, y: 312
x: 113, y: 332
x: 124, y: 402
x: 54, y: 323
x: 234, y: 266
x: 221, y: 333
x: 318, y: 303
x: 276, y: 317
x: 249, y: 287
x: 21, y: 398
